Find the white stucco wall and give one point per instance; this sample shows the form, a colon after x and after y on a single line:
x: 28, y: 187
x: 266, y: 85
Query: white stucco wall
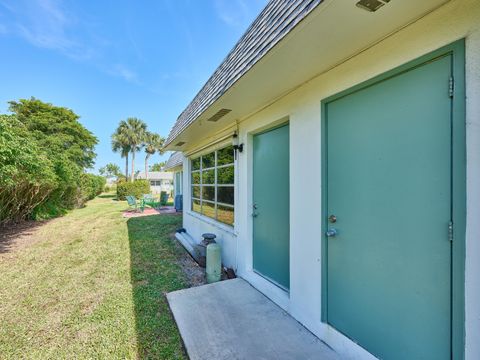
x: 197, y: 224
x: 455, y: 20
x: 472, y: 264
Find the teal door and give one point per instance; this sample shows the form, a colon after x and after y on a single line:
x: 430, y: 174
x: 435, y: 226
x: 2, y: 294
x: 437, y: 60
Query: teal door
x: 178, y: 182
x: 271, y: 205
x: 389, y: 199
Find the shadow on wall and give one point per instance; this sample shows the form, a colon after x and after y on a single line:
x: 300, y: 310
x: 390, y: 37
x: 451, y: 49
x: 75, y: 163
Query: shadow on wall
x: 154, y: 271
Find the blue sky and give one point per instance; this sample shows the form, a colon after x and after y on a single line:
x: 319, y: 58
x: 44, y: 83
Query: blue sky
x: 112, y: 59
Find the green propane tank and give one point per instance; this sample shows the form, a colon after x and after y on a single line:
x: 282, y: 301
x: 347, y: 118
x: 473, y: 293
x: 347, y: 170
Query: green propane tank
x: 214, y: 263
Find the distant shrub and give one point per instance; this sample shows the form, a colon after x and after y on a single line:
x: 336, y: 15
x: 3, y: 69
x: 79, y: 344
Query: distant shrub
x: 110, y: 188
x: 136, y: 188
x: 100, y: 183
x: 91, y: 186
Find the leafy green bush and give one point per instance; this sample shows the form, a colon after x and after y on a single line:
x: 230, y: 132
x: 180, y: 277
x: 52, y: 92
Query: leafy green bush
x: 100, y: 184
x: 66, y: 194
x: 90, y: 186
x: 57, y: 131
x: 137, y: 188
x: 44, y: 152
x: 110, y: 188
x: 27, y: 176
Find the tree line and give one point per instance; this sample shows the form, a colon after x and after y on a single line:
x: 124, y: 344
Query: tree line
x: 44, y: 155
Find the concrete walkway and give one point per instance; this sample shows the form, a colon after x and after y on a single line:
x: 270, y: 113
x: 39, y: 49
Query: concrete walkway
x: 232, y: 320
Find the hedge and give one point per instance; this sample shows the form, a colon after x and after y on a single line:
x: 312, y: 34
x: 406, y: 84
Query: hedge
x: 27, y: 176
x: 91, y: 185
x: 137, y: 188
x: 44, y: 153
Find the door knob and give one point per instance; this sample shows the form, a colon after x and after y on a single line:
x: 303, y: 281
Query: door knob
x: 255, y: 213
x: 332, y: 232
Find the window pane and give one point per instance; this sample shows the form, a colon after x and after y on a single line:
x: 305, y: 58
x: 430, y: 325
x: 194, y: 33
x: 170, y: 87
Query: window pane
x: 225, y: 214
x: 225, y: 194
x: 208, y: 160
x: 196, y: 164
x: 196, y: 206
x: 225, y: 175
x: 208, y: 209
x: 208, y: 177
x: 225, y: 156
x: 152, y: 183
x: 195, y: 177
x: 214, y: 185
x: 196, y: 192
x: 208, y: 193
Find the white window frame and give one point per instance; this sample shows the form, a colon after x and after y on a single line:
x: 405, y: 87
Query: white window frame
x: 215, y: 185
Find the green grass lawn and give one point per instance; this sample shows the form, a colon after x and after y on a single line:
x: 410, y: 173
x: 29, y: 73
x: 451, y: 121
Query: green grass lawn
x: 92, y: 286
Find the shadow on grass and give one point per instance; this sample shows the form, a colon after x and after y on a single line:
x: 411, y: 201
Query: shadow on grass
x: 18, y: 234
x: 108, y: 196
x: 154, y: 271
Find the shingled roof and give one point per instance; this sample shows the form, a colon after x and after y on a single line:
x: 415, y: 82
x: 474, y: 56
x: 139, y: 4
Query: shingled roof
x: 176, y: 159
x: 275, y: 21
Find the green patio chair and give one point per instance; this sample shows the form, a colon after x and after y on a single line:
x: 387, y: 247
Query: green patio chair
x: 149, y: 199
x: 134, y: 203
x: 163, y: 198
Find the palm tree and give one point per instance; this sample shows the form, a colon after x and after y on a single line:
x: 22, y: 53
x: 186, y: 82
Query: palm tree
x: 153, y: 144
x: 120, y: 144
x: 135, y: 131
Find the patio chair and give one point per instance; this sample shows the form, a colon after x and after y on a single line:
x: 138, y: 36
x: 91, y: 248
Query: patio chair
x: 163, y: 198
x: 134, y: 203
x: 149, y: 199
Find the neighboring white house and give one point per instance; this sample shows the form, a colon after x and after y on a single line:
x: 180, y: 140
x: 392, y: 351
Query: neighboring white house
x: 110, y: 181
x: 159, y: 181
x: 175, y: 165
x: 335, y: 153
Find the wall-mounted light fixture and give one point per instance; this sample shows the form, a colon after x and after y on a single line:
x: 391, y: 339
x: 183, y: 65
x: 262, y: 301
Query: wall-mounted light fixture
x: 236, y: 146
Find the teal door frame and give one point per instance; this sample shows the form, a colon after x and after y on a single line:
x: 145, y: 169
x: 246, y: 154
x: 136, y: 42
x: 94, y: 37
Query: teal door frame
x: 458, y: 174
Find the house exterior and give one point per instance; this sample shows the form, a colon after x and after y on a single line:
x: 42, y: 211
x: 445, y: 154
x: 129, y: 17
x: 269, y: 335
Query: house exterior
x: 335, y: 154
x: 159, y: 181
x: 175, y: 165
x: 111, y: 181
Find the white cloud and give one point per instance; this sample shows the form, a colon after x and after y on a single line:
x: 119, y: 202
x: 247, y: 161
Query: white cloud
x: 46, y: 24
x: 231, y: 12
x: 235, y: 13
x: 49, y: 24
x: 123, y: 72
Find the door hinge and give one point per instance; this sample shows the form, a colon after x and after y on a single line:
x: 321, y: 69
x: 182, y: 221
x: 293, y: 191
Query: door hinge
x: 451, y: 87
x: 450, y: 231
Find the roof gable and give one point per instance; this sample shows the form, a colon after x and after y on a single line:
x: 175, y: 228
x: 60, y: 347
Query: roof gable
x: 175, y: 160
x: 275, y: 21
